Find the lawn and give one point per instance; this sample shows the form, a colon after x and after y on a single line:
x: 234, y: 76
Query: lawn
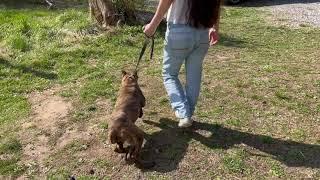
x: 258, y: 116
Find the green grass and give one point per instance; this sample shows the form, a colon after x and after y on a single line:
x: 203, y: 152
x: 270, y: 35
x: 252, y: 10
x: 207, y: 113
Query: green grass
x: 259, y: 80
x: 11, y: 146
x: 276, y: 169
x: 10, y: 166
x: 235, y: 162
x: 58, y: 174
x: 12, y: 107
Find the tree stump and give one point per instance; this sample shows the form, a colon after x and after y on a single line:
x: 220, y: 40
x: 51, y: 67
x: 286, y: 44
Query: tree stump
x: 104, y: 12
x: 111, y: 13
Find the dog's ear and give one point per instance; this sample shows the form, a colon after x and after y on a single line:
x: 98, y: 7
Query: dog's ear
x: 123, y: 73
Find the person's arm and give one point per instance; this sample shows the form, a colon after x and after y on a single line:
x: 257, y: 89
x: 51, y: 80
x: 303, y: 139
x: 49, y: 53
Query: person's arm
x: 216, y: 25
x: 214, y: 31
x: 163, y: 7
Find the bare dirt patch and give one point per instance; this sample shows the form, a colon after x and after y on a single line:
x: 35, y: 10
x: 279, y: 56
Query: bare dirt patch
x: 49, y: 111
x: 50, y: 132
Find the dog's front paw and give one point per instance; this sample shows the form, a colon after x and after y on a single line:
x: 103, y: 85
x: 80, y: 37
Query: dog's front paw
x: 130, y: 156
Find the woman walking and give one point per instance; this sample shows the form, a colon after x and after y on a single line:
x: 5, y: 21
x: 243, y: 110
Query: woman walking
x: 192, y: 27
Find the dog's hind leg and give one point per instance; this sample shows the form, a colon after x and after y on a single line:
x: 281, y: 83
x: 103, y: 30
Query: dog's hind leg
x: 138, y: 142
x: 137, y: 157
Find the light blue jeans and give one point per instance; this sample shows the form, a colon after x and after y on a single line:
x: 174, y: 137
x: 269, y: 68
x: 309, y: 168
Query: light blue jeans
x: 188, y: 45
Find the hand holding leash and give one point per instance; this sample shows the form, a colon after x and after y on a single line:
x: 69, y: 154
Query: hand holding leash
x: 149, y: 30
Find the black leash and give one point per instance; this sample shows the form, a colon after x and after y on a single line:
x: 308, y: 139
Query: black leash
x: 143, y: 50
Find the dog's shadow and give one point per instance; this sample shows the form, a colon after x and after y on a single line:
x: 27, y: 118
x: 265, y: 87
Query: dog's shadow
x: 168, y: 146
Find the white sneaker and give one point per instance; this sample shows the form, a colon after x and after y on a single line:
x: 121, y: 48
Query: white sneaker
x: 177, y: 114
x: 185, y: 122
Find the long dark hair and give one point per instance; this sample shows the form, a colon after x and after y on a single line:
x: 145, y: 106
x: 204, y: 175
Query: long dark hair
x: 203, y: 13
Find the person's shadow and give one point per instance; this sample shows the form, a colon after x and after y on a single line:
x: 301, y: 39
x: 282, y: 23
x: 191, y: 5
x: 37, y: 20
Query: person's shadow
x: 168, y: 146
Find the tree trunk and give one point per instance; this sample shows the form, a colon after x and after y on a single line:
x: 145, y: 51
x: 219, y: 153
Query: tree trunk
x: 103, y: 12
x: 108, y: 13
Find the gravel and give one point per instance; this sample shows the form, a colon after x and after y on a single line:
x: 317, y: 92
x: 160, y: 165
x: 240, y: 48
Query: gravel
x: 294, y: 13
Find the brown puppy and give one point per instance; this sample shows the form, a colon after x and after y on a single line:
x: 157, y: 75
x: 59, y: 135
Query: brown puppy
x: 128, y: 109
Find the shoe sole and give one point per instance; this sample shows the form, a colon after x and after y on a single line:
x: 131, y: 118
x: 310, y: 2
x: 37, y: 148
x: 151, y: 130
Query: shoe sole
x: 185, y: 125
